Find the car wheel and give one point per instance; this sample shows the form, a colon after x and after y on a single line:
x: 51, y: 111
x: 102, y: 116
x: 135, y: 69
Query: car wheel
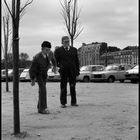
x: 111, y: 79
x: 133, y: 81
x: 86, y: 79
x: 121, y: 81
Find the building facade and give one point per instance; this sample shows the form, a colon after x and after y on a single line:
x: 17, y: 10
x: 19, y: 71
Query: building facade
x: 97, y: 54
x: 89, y: 54
x: 123, y: 56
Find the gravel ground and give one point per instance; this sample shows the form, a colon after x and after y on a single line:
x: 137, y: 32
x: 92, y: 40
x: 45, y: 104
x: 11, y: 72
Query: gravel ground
x: 106, y: 111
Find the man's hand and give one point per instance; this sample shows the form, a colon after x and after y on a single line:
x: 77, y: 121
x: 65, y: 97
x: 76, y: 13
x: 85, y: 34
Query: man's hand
x: 32, y: 82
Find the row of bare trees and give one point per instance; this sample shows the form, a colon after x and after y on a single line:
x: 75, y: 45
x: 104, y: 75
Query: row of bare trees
x: 24, y: 61
x: 70, y: 14
x: 6, y: 34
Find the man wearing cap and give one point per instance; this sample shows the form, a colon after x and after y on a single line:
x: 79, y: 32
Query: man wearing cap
x: 67, y: 60
x: 38, y: 71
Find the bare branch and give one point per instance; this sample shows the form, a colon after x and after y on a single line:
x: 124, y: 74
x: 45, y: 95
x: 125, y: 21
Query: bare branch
x: 28, y: 2
x: 78, y: 33
x: 22, y: 14
x: 71, y: 15
x: 62, y: 6
x: 10, y: 48
x: 69, y: 18
x: 73, y: 19
x: 4, y: 36
x: 2, y: 49
x: 8, y: 8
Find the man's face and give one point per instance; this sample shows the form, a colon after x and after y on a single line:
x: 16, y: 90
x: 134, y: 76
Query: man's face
x: 45, y: 50
x: 66, y: 42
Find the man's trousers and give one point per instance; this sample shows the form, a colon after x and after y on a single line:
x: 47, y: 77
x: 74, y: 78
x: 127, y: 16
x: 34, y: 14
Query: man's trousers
x: 42, y: 98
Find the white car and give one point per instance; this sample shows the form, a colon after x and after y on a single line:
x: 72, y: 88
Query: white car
x: 133, y: 74
x: 87, y: 70
x: 24, y: 76
x: 112, y: 73
x: 3, y: 75
x: 54, y: 77
x: 10, y: 74
x: 51, y: 75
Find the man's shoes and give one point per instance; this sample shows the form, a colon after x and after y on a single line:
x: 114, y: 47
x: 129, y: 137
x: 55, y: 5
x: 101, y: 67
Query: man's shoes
x: 63, y: 106
x: 74, y: 105
x: 45, y: 111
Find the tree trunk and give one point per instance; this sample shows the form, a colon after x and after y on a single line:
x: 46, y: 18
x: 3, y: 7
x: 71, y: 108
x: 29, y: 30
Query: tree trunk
x: 71, y: 38
x: 16, y: 84
x: 6, y: 72
x: 16, y: 13
x: 6, y: 32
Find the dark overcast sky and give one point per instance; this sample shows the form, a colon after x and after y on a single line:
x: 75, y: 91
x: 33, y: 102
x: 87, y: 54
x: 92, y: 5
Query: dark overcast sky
x: 112, y: 21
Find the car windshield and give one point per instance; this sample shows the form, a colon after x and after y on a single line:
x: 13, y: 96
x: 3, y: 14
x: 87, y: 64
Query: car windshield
x: 24, y: 71
x: 10, y: 71
x: 85, y: 68
x: 49, y: 70
x: 4, y: 72
x: 111, y: 67
x: 94, y: 68
x: 97, y: 68
x: 136, y: 67
x: 23, y: 74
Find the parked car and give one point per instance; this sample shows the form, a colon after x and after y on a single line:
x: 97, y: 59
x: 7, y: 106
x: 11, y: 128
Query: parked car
x: 10, y: 74
x: 3, y: 75
x: 24, y: 76
x: 86, y: 71
x: 53, y: 76
x: 111, y: 73
x: 133, y: 74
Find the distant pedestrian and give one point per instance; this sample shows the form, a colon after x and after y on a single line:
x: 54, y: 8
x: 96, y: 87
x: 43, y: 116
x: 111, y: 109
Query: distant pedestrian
x: 38, y: 71
x: 67, y: 59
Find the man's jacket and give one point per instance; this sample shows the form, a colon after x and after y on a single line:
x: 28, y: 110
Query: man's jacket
x: 40, y: 65
x: 67, y: 60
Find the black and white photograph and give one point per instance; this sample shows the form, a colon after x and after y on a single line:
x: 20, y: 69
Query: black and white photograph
x: 69, y: 70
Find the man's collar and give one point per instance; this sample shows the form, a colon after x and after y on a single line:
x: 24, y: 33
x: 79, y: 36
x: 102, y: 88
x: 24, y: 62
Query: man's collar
x: 44, y: 55
x: 68, y: 47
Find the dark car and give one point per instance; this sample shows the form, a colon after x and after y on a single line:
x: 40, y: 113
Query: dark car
x: 133, y: 74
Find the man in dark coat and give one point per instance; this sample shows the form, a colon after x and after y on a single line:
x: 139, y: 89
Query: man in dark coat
x: 67, y: 60
x: 38, y: 71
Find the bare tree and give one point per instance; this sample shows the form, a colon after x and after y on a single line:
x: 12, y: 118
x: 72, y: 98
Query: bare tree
x: 71, y: 15
x: 6, y: 32
x: 15, y: 13
x: 9, y: 57
x: 23, y: 60
x: 23, y: 56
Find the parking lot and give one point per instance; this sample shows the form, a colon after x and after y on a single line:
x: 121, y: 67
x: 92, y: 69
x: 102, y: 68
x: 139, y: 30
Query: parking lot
x: 107, y: 111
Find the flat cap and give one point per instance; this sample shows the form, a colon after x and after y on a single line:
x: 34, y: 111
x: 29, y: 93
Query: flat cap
x: 46, y: 44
